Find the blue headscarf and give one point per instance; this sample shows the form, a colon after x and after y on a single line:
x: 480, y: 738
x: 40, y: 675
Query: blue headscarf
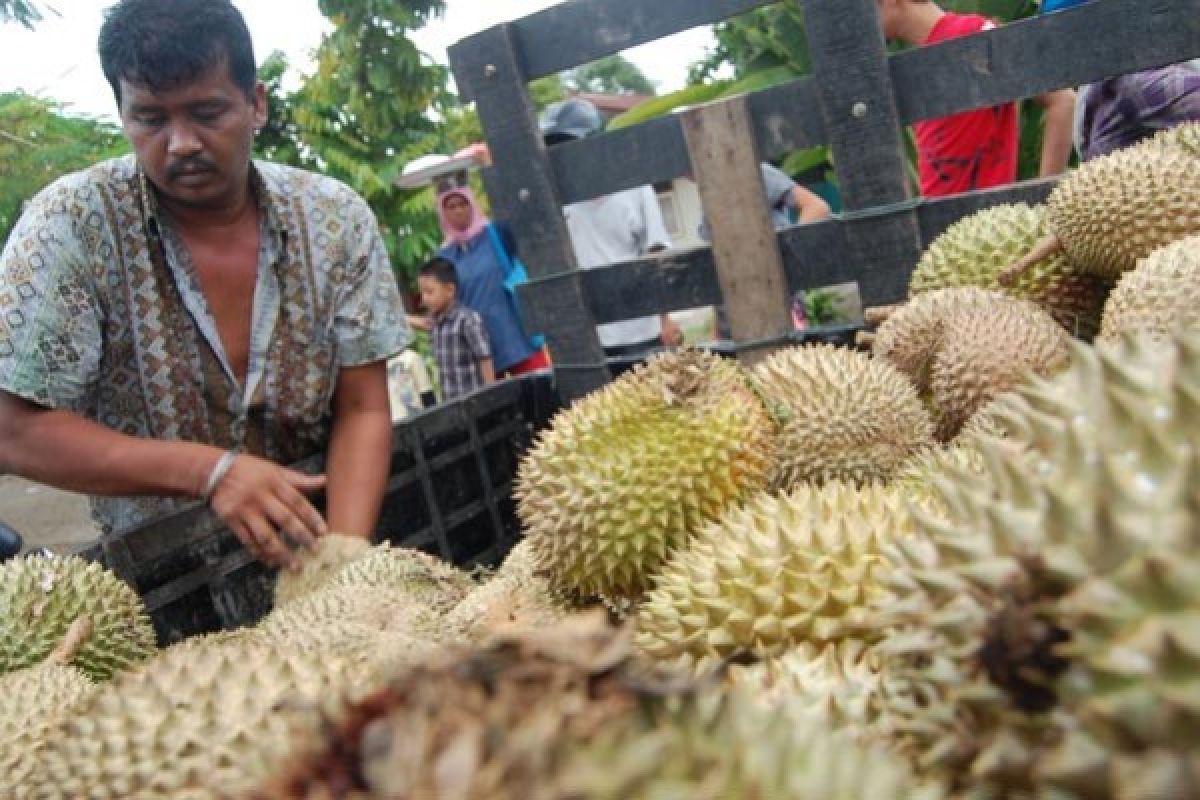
x: 1050, y: 6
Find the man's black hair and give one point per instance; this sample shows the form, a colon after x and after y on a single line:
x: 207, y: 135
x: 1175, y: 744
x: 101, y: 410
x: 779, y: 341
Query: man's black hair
x: 166, y: 44
x: 441, y: 270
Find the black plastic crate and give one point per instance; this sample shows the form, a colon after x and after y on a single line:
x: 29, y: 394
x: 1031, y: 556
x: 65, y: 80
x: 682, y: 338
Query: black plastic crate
x: 449, y: 493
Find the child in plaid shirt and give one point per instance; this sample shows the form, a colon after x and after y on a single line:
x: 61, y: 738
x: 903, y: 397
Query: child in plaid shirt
x: 460, y: 344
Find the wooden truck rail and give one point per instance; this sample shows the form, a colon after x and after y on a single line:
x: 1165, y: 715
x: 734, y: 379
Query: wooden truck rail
x: 857, y: 100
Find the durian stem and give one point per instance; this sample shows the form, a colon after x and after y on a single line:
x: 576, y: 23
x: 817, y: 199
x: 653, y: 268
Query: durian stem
x: 877, y: 315
x: 1041, y: 251
x: 75, y: 638
x: 865, y: 340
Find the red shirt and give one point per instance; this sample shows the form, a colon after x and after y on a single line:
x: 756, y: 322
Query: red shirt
x: 972, y: 150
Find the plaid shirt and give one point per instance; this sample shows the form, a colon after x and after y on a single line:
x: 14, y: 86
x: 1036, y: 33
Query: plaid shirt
x: 1122, y: 111
x: 459, y: 344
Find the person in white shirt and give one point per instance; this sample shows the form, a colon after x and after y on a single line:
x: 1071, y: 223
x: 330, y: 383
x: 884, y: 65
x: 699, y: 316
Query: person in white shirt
x: 623, y: 226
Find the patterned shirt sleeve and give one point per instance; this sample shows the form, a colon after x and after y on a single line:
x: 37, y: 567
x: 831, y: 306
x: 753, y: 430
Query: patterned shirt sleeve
x: 50, y: 317
x: 476, y: 337
x: 370, y: 320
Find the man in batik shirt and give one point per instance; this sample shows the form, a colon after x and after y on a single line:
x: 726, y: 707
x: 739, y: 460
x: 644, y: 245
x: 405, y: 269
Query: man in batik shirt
x: 177, y: 324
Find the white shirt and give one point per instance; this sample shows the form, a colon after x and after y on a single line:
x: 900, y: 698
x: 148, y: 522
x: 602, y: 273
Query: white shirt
x: 609, y: 230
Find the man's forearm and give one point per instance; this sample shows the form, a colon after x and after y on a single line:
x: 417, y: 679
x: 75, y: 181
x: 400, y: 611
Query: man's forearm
x: 360, y: 451
x: 64, y: 450
x: 1056, y: 140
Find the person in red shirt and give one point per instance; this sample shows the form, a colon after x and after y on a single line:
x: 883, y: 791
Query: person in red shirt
x: 975, y: 149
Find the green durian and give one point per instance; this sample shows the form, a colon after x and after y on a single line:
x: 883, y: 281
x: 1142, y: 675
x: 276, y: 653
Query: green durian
x: 40, y: 596
x: 844, y: 416
x: 426, y: 579
x: 332, y: 552
x: 361, y: 607
x: 627, y: 474
x: 977, y: 249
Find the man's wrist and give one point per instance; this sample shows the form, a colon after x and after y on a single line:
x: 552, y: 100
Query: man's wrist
x: 217, y: 474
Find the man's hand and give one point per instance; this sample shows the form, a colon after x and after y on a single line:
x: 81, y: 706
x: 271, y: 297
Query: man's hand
x: 264, y: 505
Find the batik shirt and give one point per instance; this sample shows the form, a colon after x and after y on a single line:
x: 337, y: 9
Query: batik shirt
x: 101, y: 313
x: 1122, y: 111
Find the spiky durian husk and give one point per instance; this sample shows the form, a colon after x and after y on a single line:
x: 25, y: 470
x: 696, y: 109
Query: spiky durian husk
x: 1161, y: 295
x: 40, y: 596
x: 516, y: 596
x: 381, y: 610
x: 628, y: 473
x: 1099, y: 468
x: 984, y: 353
x: 201, y: 722
x: 31, y: 699
x: 1184, y: 137
x: 332, y: 552
x: 728, y: 746
x: 564, y: 714
x: 426, y: 579
x: 844, y: 416
x: 782, y: 570
x: 918, y: 476
x: 911, y: 337
x: 1117, y: 209
x: 977, y: 249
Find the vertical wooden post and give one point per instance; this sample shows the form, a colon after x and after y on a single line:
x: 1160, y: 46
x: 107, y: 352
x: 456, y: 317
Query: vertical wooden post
x: 488, y: 70
x: 854, y: 83
x: 725, y: 164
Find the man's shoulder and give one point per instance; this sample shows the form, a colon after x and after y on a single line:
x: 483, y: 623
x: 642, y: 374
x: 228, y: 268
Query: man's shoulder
x: 953, y: 25
x: 86, y: 185
x: 293, y: 182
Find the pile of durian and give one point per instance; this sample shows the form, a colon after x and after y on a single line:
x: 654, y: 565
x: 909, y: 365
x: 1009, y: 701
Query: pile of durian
x: 962, y: 562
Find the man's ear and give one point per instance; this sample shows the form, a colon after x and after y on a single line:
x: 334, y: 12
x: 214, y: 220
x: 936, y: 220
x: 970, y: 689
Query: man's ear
x: 260, y: 105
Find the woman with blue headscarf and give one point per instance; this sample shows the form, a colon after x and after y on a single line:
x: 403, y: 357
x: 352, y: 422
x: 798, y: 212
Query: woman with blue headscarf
x: 1121, y: 111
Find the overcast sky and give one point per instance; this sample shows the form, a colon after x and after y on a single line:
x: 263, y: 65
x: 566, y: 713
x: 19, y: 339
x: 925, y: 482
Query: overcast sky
x: 58, y: 59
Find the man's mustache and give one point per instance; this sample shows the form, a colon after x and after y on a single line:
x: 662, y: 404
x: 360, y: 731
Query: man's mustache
x: 180, y: 168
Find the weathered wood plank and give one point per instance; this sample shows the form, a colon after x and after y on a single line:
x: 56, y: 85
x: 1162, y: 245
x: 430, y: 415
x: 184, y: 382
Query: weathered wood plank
x: 522, y: 185
x: 850, y: 65
x: 581, y: 31
x: 725, y: 162
x: 600, y: 165
x: 787, y: 118
x: 1023, y: 59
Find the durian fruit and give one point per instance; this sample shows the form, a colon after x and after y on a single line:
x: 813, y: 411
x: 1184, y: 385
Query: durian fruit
x: 1184, y: 137
x: 40, y: 596
x: 806, y: 566
x: 515, y: 596
x: 200, y: 722
x: 31, y: 699
x: 1117, y: 209
x: 1042, y: 622
x: 983, y: 355
x: 964, y: 347
x: 628, y: 473
x: 844, y: 416
x: 1160, y: 295
x: 834, y: 684
x: 332, y: 552
x: 564, y: 714
x: 977, y: 249
x: 426, y: 579
x: 727, y: 746
x: 325, y: 610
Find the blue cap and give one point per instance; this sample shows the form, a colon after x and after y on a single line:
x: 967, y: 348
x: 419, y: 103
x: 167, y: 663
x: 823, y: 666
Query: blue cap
x: 1050, y: 6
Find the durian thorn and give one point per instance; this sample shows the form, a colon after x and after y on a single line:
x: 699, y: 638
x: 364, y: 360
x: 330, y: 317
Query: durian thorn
x: 1046, y: 247
x: 877, y: 315
x: 75, y: 638
x: 864, y: 340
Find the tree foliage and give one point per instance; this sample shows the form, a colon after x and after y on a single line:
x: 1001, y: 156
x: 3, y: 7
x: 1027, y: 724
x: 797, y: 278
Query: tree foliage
x: 612, y: 75
x: 39, y: 143
x: 23, y: 12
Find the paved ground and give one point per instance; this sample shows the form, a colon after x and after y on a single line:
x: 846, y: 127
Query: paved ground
x: 45, y: 517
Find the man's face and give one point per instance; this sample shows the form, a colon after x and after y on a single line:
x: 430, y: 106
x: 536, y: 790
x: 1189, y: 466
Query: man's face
x: 194, y: 142
x: 435, y: 295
